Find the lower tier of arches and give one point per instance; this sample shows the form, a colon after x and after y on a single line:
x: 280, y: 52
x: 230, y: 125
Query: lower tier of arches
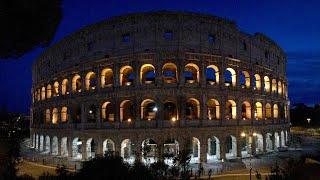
x: 203, y: 144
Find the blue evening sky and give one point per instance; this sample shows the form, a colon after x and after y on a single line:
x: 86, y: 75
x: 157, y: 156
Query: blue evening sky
x: 293, y: 24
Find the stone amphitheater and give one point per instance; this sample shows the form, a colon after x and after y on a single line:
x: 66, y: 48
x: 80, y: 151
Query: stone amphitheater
x: 162, y: 80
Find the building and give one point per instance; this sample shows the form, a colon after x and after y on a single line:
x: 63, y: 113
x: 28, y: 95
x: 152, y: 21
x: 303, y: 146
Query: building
x: 165, y: 80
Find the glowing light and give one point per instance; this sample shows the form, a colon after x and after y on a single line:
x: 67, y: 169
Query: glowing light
x: 173, y: 119
x: 254, y: 134
x: 155, y: 109
x: 243, y: 134
x: 129, y: 120
x: 90, y: 111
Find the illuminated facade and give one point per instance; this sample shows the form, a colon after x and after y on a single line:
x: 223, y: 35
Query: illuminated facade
x: 160, y: 79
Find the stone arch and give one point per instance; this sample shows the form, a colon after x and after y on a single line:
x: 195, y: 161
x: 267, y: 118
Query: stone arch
x: 231, y: 147
x: 43, y: 93
x: 191, y: 73
x: 277, y: 140
x: 106, y: 78
x: 126, y: 111
x: 212, y: 74
x: 230, y: 77
x: 64, y: 147
x: 55, y: 144
x: 41, y: 143
x: 147, y: 74
x: 170, y: 73
x: 48, y: 116
x: 148, y: 109
x: 65, y: 87
x: 108, y: 146
x: 107, y: 112
x: 268, y: 111
x: 195, y: 153
x: 64, y: 114
x: 49, y: 91
x: 231, y: 110
x: 245, y: 79
x: 246, y: 110
x: 127, y: 151
x: 275, y: 111
x: 213, y: 149
x: 170, y: 111
x: 77, y: 148
x: 266, y: 84
x: 55, y: 116
x: 274, y: 86
x: 171, y: 149
x: 149, y: 151
x: 91, y: 148
x: 47, y: 148
x: 213, y: 109
x: 76, y: 83
x: 258, y: 111
x: 91, y: 81
x: 192, y: 110
x: 126, y: 76
x: 269, y: 144
x: 257, y: 82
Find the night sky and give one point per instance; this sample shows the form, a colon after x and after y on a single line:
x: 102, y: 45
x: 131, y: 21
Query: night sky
x: 293, y: 24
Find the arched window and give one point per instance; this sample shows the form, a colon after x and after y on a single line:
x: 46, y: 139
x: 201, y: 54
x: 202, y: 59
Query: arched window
x: 274, y: 86
x: 76, y: 83
x: 169, y: 73
x: 258, y: 111
x: 64, y: 114
x: 268, y: 111
x: 191, y: 73
x: 212, y: 74
x: 91, y: 81
x: 48, y: 91
x: 230, y: 77
x: 126, y: 76
x: 107, y: 112
x: 266, y: 84
x: 257, y: 81
x: 275, y: 111
x: 213, y: 109
x: 48, y: 116
x: 231, y: 110
x: 192, y: 109
x: 170, y: 111
x: 147, y: 74
x: 126, y: 111
x: 245, y: 79
x: 91, y: 114
x: 43, y: 93
x: 279, y: 87
x: 65, y: 87
x: 55, y: 116
x: 148, y: 109
x: 246, y: 110
x: 106, y: 78
x: 56, y: 89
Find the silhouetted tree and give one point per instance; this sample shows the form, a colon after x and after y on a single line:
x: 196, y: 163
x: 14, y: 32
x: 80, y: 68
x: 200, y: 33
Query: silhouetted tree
x: 26, y: 25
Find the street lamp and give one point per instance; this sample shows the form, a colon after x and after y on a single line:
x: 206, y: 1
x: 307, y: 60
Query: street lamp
x: 308, y: 119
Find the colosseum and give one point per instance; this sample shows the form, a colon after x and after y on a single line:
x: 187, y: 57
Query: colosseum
x: 163, y: 80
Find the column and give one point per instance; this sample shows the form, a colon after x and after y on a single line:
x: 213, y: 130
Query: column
x: 98, y: 79
x: 239, y: 147
x: 222, y: 149
x: 203, y: 109
x: 98, y: 116
x: 84, y: 149
x: 203, y: 77
x: 203, y: 150
x: 180, y: 67
x: 69, y: 146
x: 264, y: 149
x: 253, y: 145
x: 116, y: 74
x: 136, y: 70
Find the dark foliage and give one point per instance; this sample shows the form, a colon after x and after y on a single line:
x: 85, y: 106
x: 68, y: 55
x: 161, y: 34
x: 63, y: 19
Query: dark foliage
x: 300, y: 112
x: 27, y: 24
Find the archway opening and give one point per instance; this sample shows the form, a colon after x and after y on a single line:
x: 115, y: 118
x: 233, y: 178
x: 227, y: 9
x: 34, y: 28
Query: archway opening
x: 257, y: 82
x: 64, y: 114
x: 191, y: 73
x: 231, y: 147
x: 170, y: 111
x: 43, y: 93
x: 126, y: 111
x: 169, y: 73
x: 106, y: 78
x: 64, y: 147
x: 108, y: 146
x: 126, y: 76
x: 230, y: 77
x: 231, y: 110
x: 56, y: 89
x: 277, y: 140
x: 275, y: 111
x: 65, y: 87
x: 266, y: 83
x: 171, y: 150
x: 269, y: 144
x: 149, y: 151
x: 274, y: 86
x: 91, y: 114
x: 77, y: 148
x: 47, y: 145
x: 213, y: 109
x: 245, y: 79
x: 55, y: 116
x: 126, y: 151
x: 91, y: 148
x: 48, y: 116
x: 259, y: 143
x: 49, y: 91
x: 148, y: 109
x: 268, y: 111
x: 192, y: 110
x: 246, y: 110
x: 76, y: 83
x: 258, y: 111
x: 91, y: 81
x: 213, y: 149
x: 107, y: 112
x: 195, y: 151
x: 147, y: 74
x: 212, y: 74
x: 55, y: 145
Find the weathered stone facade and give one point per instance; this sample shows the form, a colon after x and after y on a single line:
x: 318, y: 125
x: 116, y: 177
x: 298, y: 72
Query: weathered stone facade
x: 165, y: 76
